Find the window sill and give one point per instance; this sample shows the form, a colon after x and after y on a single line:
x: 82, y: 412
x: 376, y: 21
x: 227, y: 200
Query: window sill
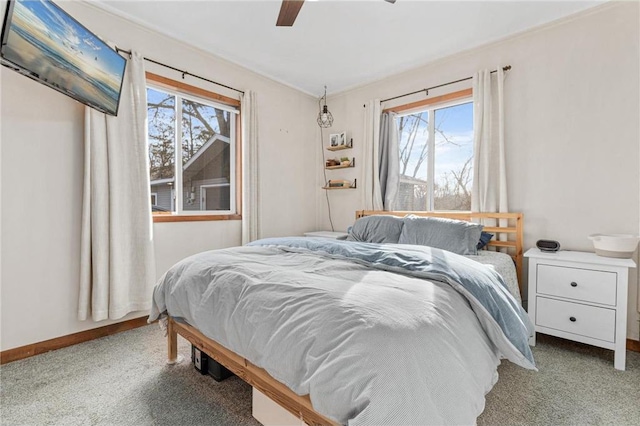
x: 157, y: 218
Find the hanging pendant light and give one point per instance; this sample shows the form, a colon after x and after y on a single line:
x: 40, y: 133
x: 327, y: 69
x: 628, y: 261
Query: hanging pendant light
x: 325, y: 119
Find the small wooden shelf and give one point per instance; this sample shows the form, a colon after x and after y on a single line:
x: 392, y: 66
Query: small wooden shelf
x: 353, y: 186
x: 338, y: 187
x: 352, y: 163
x: 338, y: 148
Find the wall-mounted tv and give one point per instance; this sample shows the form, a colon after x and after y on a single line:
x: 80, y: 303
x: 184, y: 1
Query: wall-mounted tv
x: 43, y: 42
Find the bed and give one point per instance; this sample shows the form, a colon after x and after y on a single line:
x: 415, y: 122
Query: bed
x: 340, y: 332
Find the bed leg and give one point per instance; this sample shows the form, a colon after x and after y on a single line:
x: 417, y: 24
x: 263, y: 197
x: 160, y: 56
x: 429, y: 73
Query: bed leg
x: 172, y: 344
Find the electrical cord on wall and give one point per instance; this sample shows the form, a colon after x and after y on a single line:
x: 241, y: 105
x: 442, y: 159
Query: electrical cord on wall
x: 324, y: 171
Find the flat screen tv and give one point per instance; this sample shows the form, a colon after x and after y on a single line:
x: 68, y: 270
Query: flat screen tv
x: 42, y: 42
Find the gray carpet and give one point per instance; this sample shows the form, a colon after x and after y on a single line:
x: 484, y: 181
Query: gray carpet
x: 123, y: 380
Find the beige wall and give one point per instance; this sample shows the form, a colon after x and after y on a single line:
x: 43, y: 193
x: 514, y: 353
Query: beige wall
x: 41, y: 180
x: 572, y: 145
x: 572, y: 127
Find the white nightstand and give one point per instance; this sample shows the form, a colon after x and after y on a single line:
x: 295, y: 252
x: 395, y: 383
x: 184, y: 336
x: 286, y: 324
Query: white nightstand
x: 327, y: 234
x: 580, y: 296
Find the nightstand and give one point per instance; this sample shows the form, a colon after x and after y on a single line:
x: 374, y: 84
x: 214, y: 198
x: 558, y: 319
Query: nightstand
x: 580, y: 296
x: 327, y: 234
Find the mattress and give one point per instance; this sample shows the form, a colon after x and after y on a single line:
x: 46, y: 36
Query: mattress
x: 503, y: 264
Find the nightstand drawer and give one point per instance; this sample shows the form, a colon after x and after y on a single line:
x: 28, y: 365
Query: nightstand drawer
x: 590, y: 321
x: 586, y: 285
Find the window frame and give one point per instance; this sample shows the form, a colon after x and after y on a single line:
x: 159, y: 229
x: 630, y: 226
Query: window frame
x: 430, y: 106
x: 215, y: 100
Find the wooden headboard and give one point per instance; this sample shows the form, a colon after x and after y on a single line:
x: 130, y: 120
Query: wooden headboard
x: 513, y: 229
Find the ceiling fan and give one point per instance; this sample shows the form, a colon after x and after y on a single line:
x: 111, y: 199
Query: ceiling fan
x: 289, y: 12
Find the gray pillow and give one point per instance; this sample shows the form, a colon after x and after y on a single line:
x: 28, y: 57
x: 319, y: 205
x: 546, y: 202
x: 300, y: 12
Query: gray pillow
x: 376, y: 229
x: 457, y: 236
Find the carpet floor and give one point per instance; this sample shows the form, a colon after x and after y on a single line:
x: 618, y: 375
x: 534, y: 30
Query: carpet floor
x: 123, y: 380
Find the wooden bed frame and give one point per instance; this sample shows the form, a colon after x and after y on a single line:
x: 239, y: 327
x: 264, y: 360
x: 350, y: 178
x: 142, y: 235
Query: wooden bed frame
x: 297, y: 405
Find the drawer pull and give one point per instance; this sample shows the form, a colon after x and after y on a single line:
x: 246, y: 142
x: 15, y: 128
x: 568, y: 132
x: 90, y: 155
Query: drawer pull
x: 572, y: 319
x: 574, y: 284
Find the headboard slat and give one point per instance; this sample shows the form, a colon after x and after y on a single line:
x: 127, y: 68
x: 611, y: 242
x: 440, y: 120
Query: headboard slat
x: 506, y: 244
x: 495, y: 230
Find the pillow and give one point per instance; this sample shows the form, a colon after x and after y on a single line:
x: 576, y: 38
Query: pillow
x: 485, y: 237
x: 376, y: 229
x: 457, y: 236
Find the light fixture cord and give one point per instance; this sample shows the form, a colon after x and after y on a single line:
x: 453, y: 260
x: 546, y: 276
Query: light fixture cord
x: 324, y: 171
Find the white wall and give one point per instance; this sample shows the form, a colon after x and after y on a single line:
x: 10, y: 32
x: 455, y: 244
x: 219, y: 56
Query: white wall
x: 572, y: 127
x: 572, y: 133
x: 41, y: 180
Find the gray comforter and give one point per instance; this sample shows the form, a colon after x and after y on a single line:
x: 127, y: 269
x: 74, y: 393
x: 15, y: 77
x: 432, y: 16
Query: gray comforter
x: 374, y: 334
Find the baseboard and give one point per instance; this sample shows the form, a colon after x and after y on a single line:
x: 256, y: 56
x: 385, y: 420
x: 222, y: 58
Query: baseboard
x: 633, y: 345
x: 27, y: 351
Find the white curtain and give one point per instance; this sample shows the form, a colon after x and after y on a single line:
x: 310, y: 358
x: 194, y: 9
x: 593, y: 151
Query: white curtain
x: 250, y: 190
x: 117, y: 256
x: 389, y: 170
x: 371, y: 184
x: 489, y: 192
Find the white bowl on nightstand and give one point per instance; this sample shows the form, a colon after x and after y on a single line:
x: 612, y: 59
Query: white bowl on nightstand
x: 615, y: 245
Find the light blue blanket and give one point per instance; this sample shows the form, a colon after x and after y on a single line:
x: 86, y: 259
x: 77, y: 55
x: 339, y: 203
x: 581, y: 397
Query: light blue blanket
x: 501, y: 316
x: 374, y: 334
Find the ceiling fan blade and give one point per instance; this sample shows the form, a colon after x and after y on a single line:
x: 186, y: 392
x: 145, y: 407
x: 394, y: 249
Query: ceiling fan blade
x: 289, y: 12
x: 390, y: 1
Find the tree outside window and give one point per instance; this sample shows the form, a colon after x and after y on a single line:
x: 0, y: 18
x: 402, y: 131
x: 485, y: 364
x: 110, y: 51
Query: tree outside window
x: 436, y: 158
x: 206, y: 134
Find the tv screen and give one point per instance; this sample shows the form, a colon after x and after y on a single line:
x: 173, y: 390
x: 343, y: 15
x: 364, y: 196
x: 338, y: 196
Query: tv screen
x: 43, y: 42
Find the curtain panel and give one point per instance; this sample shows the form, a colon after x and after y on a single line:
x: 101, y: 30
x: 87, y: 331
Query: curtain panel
x: 389, y: 163
x: 250, y: 186
x: 117, y: 265
x: 372, y: 194
x: 489, y: 191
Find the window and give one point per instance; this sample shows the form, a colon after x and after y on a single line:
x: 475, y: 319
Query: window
x: 215, y: 197
x: 436, y: 157
x: 192, y: 151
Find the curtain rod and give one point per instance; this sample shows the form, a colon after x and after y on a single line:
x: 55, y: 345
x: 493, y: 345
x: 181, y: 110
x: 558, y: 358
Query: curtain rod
x: 128, y: 52
x: 506, y: 68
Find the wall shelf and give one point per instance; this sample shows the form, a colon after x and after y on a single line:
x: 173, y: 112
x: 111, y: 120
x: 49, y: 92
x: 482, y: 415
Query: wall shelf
x: 338, y: 187
x: 338, y: 148
x: 353, y: 186
x: 338, y: 167
x: 343, y: 184
x: 352, y: 163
